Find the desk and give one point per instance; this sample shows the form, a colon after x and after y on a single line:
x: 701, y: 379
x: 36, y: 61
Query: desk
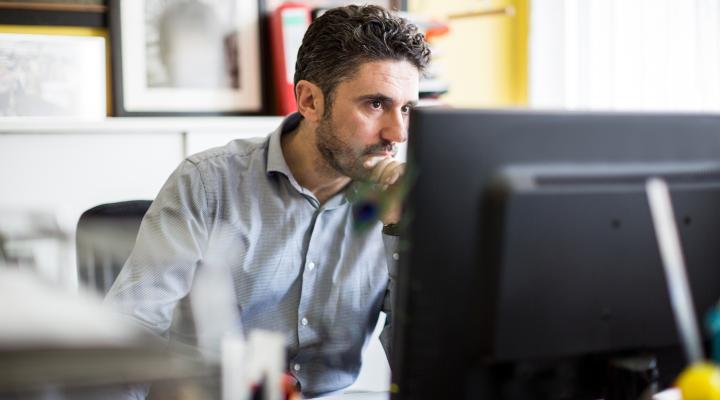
x: 670, y: 394
x: 358, y: 396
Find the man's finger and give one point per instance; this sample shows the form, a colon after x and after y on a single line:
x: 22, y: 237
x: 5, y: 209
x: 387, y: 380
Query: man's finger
x: 372, y: 161
x: 392, y: 173
x: 377, y: 171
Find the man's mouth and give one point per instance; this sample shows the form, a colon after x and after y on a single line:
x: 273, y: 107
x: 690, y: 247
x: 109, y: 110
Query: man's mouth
x: 390, y: 152
x: 386, y: 150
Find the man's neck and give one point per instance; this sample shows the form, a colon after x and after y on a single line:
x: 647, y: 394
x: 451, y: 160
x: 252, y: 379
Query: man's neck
x: 307, y: 164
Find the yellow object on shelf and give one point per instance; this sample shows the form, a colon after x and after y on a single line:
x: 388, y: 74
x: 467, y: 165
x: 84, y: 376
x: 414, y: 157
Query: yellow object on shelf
x: 485, y: 54
x: 700, y: 381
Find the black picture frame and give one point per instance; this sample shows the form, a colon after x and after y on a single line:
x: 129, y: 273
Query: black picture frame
x: 55, y: 13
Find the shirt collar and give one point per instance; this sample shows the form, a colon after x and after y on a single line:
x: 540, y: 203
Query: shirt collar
x: 275, y: 158
x: 276, y: 162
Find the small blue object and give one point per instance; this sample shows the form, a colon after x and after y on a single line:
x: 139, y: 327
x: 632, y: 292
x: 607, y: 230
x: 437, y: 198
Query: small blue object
x: 366, y: 213
x: 712, y: 321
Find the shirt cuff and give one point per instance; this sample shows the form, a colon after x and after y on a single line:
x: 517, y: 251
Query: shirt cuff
x: 392, y: 253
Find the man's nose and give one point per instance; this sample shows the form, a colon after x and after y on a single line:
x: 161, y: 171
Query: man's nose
x: 395, y: 129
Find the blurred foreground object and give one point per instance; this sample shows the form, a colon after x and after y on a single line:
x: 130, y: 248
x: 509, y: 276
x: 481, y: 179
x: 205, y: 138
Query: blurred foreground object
x: 700, y: 381
x: 39, y: 241
x: 51, y: 340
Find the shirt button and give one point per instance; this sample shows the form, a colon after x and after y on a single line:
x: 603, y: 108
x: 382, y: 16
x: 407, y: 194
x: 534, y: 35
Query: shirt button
x: 396, y: 256
x: 304, y: 321
x: 296, y: 367
x: 311, y: 266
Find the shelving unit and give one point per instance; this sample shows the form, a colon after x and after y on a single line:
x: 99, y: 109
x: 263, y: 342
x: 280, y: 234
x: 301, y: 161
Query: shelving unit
x: 56, y: 164
x: 119, y: 125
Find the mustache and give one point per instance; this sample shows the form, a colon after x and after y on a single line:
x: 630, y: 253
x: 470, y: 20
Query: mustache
x: 381, y: 148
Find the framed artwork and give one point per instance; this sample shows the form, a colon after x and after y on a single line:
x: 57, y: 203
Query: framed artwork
x: 325, y: 4
x: 184, y: 57
x: 52, y: 72
x: 88, y: 13
x: 55, y: 5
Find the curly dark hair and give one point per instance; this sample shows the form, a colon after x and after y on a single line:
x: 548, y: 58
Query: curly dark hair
x: 343, y: 38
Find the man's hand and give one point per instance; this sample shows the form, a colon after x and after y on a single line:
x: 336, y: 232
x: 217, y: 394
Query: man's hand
x: 388, y: 172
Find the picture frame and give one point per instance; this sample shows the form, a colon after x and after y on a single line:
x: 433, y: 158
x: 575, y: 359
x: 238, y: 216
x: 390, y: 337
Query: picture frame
x: 55, y: 5
x: 88, y: 13
x: 395, y: 5
x: 53, y: 72
x: 186, y: 57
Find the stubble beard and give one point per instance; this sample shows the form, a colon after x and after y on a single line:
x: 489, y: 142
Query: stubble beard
x: 339, y: 156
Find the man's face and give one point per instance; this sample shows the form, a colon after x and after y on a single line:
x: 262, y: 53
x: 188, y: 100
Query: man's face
x: 369, y: 116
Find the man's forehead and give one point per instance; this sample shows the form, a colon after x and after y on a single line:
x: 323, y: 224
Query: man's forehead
x: 390, y: 78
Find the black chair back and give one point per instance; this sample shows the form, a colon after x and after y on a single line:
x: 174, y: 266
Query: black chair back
x: 105, y: 237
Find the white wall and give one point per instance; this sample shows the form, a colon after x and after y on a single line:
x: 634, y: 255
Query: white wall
x: 70, y: 173
x: 56, y: 169
x: 625, y: 54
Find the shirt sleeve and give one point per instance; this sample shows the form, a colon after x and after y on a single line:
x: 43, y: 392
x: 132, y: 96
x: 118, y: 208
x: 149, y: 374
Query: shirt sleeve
x: 170, y: 244
x: 391, y: 250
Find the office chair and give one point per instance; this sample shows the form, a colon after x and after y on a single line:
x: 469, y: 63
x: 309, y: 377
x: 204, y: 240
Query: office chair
x: 105, y: 237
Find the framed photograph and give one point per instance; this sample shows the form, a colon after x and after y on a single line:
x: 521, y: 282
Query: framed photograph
x: 52, y: 72
x: 55, y: 5
x: 180, y: 57
x: 88, y: 13
x: 325, y: 4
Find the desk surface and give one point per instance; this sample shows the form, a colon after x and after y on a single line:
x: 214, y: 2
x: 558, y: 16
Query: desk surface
x: 358, y: 396
x: 670, y: 394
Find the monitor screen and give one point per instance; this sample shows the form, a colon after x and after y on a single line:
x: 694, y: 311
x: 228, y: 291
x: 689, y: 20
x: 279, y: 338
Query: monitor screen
x: 530, y: 267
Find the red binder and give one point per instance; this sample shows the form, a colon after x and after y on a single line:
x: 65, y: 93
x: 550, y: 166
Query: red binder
x: 288, y: 24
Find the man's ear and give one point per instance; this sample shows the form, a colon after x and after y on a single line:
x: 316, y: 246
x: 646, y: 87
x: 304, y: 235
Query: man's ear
x: 310, y: 100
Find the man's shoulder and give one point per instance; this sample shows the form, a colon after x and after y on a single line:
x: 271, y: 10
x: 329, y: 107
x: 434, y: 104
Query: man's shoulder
x: 236, y: 154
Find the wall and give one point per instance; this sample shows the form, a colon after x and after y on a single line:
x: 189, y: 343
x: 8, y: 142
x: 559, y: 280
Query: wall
x: 60, y: 168
x: 483, y: 57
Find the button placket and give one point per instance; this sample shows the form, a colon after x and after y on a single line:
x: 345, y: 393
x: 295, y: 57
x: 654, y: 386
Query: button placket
x: 305, y: 333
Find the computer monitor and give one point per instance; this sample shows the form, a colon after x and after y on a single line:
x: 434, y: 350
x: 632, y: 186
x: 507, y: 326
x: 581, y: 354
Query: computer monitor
x: 530, y: 267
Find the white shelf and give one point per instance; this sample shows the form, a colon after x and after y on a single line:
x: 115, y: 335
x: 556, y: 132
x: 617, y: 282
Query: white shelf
x: 139, y: 125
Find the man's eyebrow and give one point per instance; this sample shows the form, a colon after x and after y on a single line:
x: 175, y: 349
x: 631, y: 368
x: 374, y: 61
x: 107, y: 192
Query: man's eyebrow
x: 382, y: 98
x: 376, y: 96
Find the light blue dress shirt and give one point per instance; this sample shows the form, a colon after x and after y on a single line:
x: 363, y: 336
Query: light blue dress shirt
x: 297, y: 267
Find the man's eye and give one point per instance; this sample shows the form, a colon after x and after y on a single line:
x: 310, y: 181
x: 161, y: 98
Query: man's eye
x: 406, y: 109
x: 376, y: 104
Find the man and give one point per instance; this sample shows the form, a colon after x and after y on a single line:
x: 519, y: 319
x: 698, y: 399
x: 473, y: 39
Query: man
x: 277, y: 213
